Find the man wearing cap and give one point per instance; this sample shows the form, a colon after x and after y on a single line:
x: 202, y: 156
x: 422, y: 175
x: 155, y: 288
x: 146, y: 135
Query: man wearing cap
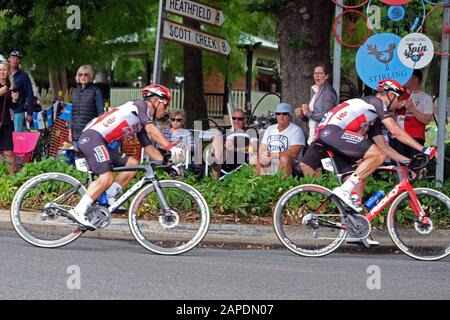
x: 22, y: 83
x: 281, y: 145
x: 415, y: 115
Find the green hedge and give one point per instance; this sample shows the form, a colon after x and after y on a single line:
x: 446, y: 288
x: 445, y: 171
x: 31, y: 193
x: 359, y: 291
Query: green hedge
x: 242, y: 193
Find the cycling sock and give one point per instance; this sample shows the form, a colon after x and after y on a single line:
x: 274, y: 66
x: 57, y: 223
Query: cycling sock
x: 84, y: 204
x: 114, y: 190
x: 351, y: 183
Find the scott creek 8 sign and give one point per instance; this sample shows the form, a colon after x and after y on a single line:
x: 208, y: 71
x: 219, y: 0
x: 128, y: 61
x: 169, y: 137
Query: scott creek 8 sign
x: 196, y: 11
x: 185, y: 35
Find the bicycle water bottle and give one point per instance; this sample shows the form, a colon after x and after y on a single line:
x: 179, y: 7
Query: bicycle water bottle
x: 103, y: 199
x: 369, y: 204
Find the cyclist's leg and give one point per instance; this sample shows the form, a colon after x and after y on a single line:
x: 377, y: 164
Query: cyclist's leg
x: 122, y: 160
x: 352, y: 146
x: 311, y: 164
x: 98, y: 157
x: 153, y: 153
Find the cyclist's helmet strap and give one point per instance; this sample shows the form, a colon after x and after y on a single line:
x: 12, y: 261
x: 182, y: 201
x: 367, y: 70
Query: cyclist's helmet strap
x: 395, y: 87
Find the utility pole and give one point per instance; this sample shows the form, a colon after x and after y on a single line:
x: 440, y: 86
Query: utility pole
x: 443, y: 94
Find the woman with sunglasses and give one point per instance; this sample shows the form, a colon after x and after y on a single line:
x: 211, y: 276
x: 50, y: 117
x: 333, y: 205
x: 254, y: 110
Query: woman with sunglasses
x: 176, y: 133
x: 87, y: 102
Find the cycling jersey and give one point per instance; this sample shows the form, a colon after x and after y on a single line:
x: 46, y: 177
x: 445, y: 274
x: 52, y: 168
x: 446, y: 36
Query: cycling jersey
x: 343, y: 129
x: 121, y: 122
x: 356, y: 114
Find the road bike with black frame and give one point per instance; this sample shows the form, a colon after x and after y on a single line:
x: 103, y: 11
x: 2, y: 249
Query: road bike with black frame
x: 310, y: 221
x: 166, y: 217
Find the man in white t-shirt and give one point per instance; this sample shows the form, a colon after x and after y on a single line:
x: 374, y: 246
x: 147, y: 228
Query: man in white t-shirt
x: 281, y: 145
x: 415, y: 116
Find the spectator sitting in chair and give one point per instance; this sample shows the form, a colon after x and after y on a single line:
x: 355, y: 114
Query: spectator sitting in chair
x: 176, y: 133
x: 281, y: 145
x: 235, y: 148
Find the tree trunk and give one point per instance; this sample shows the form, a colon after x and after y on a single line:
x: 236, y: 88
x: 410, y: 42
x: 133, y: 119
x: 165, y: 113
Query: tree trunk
x: 303, y: 30
x: 194, y: 97
x: 58, y: 82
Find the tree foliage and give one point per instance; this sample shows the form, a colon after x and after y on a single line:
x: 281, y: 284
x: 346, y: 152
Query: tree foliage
x: 40, y: 30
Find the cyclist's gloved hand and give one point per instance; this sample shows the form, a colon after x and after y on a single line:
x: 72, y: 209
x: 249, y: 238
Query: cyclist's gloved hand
x: 429, y: 151
x: 176, y: 153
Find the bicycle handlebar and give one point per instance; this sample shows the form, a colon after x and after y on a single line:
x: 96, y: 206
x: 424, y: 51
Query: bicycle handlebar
x: 417, y: 163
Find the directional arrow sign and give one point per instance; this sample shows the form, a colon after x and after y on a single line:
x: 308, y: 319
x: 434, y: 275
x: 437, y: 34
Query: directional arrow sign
x: 197, y: 11
x: 179, y: 33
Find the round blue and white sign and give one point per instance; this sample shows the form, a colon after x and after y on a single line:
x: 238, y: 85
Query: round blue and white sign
x: 416, y: 50
x: 377, y: 59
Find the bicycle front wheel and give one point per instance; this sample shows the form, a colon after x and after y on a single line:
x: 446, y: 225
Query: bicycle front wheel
x: 169, y: 233
x: 324, y: 231
x: 421, y: 241
x: 37, y: 210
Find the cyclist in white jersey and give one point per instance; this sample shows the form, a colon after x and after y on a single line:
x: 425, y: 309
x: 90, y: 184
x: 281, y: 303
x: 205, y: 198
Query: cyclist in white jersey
x: 343, y: 131
x: 133, y: 117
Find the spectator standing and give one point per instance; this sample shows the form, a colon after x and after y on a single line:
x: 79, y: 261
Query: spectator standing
x: 87, y: 102
x: 21, y: 81
x: 8, y: 101
x: 323, y: 99
x: 281, y: 145
x: 415, y: 115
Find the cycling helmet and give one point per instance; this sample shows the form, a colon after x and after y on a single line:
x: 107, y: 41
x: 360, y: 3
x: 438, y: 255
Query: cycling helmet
x: 156, y: 90
x: 395, y: 87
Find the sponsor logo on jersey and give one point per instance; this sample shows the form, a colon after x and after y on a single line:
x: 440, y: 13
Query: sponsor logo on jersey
x: 109, y: 122
x: 342, y: 115
x: 84, y: 140
x: 352, y: 138
x: 325, y: 133
x: 101, y: 154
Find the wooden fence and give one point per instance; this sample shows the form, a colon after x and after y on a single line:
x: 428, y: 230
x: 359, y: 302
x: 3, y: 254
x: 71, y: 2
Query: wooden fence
x: 214, y: 101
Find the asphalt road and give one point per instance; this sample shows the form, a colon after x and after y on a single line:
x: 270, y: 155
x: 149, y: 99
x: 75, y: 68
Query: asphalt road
x: 102, y: 269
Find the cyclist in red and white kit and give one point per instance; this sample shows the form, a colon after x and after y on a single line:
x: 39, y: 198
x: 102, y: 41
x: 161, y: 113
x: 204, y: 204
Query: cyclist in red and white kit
x: 133, y: 117
x: 343, y: 129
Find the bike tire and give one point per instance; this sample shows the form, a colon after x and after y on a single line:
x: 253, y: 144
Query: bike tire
x: 191, y: 208
x: 304, y: 240
x: 414, y: 239
x: 27, y: 209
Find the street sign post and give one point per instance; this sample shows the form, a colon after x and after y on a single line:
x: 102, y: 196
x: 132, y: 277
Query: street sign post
x: 188, y: 36
x: 158, y: 47
x: 197, y: 11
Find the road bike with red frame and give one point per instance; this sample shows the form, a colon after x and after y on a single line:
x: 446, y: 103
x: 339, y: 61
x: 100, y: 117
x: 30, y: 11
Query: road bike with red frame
x: 310, y: 221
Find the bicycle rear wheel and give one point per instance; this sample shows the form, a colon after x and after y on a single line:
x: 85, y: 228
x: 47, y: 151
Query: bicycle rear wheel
x: 418, y: 240
x: 323, y: 234
x: 38, y: 207
x: 174, y: 234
